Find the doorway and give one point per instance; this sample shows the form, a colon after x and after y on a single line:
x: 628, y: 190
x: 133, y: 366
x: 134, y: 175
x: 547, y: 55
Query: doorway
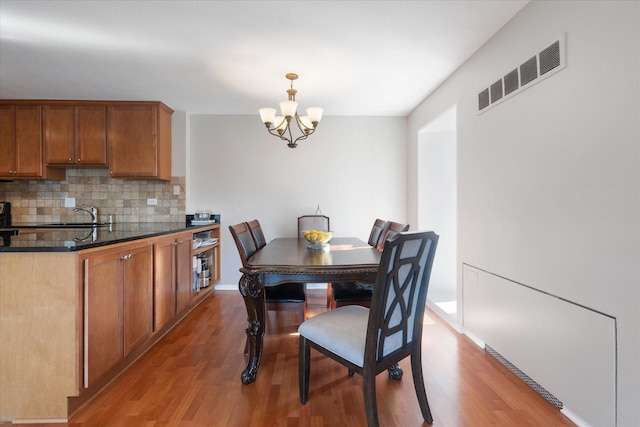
x: 437, y: 205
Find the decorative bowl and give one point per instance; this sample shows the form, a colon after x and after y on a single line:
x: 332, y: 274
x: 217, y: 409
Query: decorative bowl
x: 317, y: 238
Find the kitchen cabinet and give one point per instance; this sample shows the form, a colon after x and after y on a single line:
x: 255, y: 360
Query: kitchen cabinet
x: 21, y: 144
x: 139, y: 140
x: 75, y: 135
x: 88, y: 313
x: 183, y: 273
x: 172, y: 270
x: 118, y: 298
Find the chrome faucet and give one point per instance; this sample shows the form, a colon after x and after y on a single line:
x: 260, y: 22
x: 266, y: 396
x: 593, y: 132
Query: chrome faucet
x: 91, y: 210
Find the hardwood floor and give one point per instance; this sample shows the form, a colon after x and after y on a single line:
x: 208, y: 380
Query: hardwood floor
x: 192, y: 378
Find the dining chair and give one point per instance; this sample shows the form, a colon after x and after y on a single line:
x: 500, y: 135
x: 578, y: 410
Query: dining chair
x: 369, y: 341
x: 339, y: 294
x: 392, y: 229
x: 378, y: 230
x: 356, y: 293
x: 282, y: 297
x: 313, y: 222
x: 256, y: 232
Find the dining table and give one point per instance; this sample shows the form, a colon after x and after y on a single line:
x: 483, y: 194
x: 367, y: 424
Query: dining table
x: 286, y: 260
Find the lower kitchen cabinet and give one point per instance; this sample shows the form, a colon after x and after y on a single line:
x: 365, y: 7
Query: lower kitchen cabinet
x: 183, y: 272
x: 172, y: 273
x: 90, y: 314
x: 118, y: 300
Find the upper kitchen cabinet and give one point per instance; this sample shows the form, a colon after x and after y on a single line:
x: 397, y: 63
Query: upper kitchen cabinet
x: 75, y: 135
x: 139, y: 140
x: 21, y: 153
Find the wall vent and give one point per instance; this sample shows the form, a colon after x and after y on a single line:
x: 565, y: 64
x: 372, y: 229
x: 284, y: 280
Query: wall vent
x: 496, y: 91
x: 529, y: 70
x: 550, y: 58
x: 545, y: 63
x: 511, y: 82
x: 524, y: 377
x: 483, y: 99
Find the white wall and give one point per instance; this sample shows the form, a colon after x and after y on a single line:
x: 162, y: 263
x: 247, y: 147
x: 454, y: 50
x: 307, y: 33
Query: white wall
x: 549, y: 180
x: 354, y: 167
x: 437, y: 209
x: 179, y: 145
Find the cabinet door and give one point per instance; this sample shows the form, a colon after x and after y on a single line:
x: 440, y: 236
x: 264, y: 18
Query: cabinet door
x: 91, y: 135
x: 59, y: 134
x: 164, y: 295
x: 7, y: 140
x: 132, y: 139
x: 184, y: 268
x: 138, y: 296
x: 102, y: 314
x: 28, y: 141
x: 75, y: 135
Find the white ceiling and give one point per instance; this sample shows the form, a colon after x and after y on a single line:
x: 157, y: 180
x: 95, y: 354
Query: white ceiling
x: 362, y: 58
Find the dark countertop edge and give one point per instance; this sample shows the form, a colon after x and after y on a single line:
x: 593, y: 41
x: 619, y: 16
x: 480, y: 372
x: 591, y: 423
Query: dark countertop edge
x: 170, y: 230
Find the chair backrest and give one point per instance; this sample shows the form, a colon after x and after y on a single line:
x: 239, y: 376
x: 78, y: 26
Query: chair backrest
x: 392, y: 229
x: 313, y: 222
x: 378, y: 230
x: 256, y: 232
x: 400, y: 294
x: 244, y: 241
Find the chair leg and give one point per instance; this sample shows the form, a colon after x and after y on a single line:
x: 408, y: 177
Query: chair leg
x: 370, y: 404
x: 304, y: 365
x: 395, y: 372
x: 302, y: 313
x: 418, y: 382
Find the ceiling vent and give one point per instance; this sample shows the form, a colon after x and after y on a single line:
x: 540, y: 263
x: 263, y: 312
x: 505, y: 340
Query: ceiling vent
x: 545, y: 63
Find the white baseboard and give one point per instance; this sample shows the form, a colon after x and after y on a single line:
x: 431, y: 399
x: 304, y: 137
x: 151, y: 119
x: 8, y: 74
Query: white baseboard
x: 574, y: 417
x: 444, y: 316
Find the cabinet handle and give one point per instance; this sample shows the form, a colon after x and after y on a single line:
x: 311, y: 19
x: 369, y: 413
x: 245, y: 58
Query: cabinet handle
x: 126, y: 257
x: 180, y: 242
x: 78, y: 160
x: 70, y: 159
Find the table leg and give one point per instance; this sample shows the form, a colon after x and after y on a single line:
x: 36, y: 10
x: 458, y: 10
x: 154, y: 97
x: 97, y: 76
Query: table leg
x: 253, y: 294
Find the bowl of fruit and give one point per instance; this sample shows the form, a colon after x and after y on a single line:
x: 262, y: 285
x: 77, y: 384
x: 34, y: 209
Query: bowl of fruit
x: 317, y: 238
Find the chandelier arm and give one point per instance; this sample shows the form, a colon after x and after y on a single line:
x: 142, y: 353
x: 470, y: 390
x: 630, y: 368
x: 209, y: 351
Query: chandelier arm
x: 303, y: 129
x: 303, y: 136
x: 274, y: 132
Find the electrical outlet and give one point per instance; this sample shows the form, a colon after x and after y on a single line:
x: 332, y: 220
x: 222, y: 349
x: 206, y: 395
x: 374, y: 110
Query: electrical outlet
x: 69, y: 202
x: 152, y: 202
x: 176, y: 190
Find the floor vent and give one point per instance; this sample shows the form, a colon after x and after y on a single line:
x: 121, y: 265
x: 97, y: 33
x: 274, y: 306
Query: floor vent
x: 524, y: 377
x: 545, y: 63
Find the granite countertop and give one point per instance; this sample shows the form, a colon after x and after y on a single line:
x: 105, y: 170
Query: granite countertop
x: 76, y: 239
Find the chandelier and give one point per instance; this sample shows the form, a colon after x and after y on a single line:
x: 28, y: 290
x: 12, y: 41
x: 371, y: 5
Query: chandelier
x: 280, y: 126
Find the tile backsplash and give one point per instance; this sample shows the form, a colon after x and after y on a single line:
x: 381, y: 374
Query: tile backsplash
x: 126, y: 200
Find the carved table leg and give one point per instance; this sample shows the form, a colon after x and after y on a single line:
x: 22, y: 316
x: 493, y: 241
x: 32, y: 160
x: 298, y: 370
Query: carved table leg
x: 253, y: 294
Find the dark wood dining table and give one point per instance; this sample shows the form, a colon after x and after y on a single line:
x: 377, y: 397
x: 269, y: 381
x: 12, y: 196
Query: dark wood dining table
x: 285, y: 260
